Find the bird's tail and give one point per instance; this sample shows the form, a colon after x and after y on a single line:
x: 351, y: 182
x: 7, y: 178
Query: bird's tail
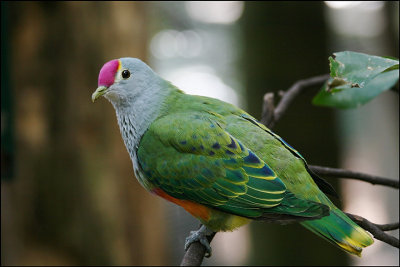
x: 340, y: 230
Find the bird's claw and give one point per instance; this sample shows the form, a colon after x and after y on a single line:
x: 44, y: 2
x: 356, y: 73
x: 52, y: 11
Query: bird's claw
x: 200, y: 236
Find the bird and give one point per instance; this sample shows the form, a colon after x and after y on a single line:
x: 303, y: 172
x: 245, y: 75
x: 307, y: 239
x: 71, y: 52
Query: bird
x: 216, y: 161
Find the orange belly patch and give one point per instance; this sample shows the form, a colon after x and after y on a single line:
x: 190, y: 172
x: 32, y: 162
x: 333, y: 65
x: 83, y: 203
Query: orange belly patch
x: 197, y: 210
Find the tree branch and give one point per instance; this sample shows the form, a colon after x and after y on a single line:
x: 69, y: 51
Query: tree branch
x: 195, y: 254
x: 267, y: 115
x: 340, y: 173
x: 377, y: 230
x: 388, y: 226
x: 287, y: 99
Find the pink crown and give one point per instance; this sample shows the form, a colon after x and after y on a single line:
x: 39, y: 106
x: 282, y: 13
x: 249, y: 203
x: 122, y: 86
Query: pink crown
x: 107, y: 73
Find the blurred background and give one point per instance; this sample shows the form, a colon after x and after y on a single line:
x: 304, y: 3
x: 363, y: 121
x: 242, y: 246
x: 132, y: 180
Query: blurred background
x: 68, y: 193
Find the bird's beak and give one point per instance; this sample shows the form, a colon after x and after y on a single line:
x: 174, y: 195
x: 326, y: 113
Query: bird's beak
x: 101, y: 90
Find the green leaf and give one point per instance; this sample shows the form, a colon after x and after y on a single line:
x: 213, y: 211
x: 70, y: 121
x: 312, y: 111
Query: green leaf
x: 394, y: 67
x: 356, y: 78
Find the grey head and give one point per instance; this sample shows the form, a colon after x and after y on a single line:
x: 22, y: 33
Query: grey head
x: 123, y: 81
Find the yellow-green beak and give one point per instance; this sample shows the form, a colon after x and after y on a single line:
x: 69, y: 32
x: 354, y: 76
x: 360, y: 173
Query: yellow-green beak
x: 101, y: 90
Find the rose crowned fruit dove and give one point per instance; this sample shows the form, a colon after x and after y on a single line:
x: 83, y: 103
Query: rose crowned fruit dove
x: 216, y: 161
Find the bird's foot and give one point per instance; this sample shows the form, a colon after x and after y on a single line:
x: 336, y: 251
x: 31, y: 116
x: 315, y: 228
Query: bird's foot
x: 200, y: 236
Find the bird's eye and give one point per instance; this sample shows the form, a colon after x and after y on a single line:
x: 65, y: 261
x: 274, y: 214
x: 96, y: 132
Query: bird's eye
x: 126, y: 74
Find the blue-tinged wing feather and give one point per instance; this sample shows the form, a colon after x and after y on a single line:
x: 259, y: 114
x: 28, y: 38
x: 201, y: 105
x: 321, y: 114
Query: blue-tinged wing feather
x: 194, y: 158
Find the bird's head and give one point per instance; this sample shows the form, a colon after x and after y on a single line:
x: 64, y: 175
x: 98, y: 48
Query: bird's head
x: 120, y: 80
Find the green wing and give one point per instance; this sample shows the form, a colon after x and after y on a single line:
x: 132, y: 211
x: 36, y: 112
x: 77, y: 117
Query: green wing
x: 192, y: 157
x: 323, y: 185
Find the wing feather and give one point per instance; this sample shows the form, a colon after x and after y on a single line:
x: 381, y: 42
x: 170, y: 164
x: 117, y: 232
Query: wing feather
x: 194, y: 158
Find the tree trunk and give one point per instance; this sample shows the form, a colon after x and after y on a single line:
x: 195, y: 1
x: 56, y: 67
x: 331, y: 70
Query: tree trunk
x: 285, y: 42
x: 74, y: 194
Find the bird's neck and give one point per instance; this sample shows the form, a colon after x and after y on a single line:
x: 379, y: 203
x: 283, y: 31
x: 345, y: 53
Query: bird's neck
x: 134, y: 119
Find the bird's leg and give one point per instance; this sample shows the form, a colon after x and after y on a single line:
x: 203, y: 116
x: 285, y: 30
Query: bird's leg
x: 201, y: 236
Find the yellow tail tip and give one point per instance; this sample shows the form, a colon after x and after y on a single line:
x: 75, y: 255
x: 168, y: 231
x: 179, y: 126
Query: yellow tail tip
x: 358, y: 240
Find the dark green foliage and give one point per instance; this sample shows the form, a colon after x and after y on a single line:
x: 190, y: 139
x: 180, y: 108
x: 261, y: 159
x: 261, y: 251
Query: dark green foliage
x: 356, y: 78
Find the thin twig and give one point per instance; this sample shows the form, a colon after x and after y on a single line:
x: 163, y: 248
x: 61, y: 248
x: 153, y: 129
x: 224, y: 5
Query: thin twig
x: 195, y: 254
x: 376, y: 229
x: 340, y: 173
x: 267, y: 115
x: 388, y: 226
x: 294, y: 91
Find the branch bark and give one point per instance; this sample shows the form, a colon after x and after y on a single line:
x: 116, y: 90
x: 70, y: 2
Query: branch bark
x: 287, y: 99
x: 377, y: 230
x: 340, y: 173
x: 195, y: 254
